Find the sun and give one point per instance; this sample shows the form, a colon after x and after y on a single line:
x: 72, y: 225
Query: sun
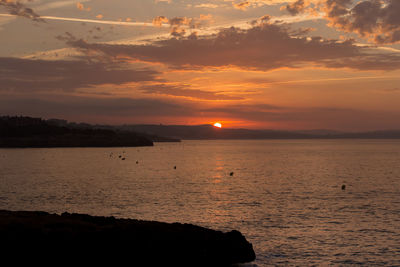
x: 218, y: 125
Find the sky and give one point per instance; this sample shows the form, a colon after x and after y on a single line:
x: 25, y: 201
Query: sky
x: 260, y: 64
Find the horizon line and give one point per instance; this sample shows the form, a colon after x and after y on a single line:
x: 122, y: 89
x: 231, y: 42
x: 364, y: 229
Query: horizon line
x: 211, y: 125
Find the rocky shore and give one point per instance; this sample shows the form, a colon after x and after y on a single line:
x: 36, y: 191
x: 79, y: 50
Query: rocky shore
x: 82, y: 239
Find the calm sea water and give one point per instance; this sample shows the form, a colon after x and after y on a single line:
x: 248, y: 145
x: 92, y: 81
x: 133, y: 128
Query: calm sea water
x: 284, y: 196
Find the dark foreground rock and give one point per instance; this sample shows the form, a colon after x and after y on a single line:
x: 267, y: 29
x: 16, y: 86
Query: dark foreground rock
x: 39, y: 237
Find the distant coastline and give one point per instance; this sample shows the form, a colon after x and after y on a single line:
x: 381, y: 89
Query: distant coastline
x: 209, y: 132
x: 28, y: 132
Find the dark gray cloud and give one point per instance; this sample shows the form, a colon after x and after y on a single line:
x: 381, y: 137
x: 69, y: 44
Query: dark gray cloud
x: 372, y: 17
x: 19, y: 9
x: 265, y: 46
x: 295, y: 7
x: 183, y: 90
x: 42, y: 75
x: 376, y: 20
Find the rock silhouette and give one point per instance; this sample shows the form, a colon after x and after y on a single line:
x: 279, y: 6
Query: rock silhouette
x: 78, y: 238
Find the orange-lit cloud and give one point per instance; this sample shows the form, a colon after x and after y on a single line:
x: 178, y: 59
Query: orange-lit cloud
x: 207, y: 5
x: 160, y: 20
x: 179, y: 25
x: 206, y: 17
x: 80, y: 6
x: 163, y: 1
x: 186, y: 91
x: 241, y: 6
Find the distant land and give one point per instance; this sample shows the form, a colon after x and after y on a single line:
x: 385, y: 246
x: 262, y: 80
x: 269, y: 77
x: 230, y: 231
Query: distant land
x: 208, y: 132
x: 36, y: 132
x: 23, y: 132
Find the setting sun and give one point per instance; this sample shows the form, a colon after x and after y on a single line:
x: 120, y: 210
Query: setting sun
x: 217, y: 124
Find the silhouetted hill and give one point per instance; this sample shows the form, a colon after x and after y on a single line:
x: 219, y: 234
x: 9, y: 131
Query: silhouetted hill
x: 35, y: 132
x: 86, y: 126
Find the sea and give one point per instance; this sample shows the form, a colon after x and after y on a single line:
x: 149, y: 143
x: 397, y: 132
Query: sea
x: 299, y: 202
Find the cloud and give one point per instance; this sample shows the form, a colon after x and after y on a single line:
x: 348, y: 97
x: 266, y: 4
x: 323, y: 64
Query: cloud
x: 80, y: 6
x: 163, y: 1
x: 244, y: 5
x: 295, y: 7
x: 107, y: 22
x: 184, y: 91
x: 265, y: 46
x: 18, y: 9
x: 179, y: 25
x: 21, y: 75
x: 160, y: 20
x: 241, y: 6
x: 376, y: 18
x: 57, y: 4
x: 377, y: 21
x: 206, y: 5
x: 206, y: 17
